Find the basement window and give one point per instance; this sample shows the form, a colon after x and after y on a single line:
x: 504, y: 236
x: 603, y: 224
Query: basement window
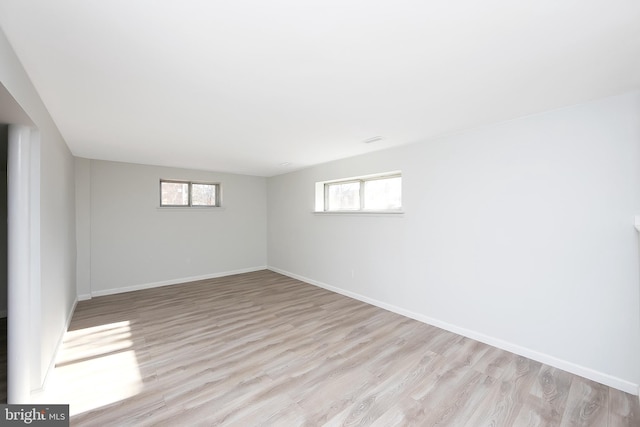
x: 380, y: 193
x: 175, y: 193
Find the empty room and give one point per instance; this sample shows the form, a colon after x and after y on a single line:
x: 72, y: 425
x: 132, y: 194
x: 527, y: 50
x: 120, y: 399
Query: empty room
x: 310, y: 213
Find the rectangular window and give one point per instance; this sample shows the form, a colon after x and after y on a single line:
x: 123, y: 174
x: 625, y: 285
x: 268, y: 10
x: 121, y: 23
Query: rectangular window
x: 189, y: 194
x: 373, y: 193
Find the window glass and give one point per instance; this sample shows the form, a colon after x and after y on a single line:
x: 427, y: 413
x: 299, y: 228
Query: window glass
x: 189, y: 194
x: 174, y: 193
x: 203, y: 194
x: 383, y: 194
x: 343, y: 196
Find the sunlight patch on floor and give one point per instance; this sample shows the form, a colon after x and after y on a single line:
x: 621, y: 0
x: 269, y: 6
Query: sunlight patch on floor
x: 97, y: 366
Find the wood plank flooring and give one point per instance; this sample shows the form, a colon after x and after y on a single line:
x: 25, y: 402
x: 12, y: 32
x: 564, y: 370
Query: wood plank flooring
x: 262, y: 349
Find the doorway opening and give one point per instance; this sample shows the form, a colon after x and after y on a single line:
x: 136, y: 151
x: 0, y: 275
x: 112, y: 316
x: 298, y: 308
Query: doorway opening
x: 4, y: 243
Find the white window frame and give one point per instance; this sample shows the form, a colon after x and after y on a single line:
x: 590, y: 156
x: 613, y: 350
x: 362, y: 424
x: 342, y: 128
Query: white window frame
x: 349, y: 181
x: 322, y: 194
x: 218, y: 190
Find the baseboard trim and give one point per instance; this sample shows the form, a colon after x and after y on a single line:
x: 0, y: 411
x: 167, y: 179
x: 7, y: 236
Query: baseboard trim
x: 600, y: 377
x: 173, y: 282
x: 84, y: 297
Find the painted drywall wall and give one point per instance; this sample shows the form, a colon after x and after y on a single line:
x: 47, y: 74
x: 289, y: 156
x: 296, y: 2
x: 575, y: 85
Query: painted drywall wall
x: 83, y: 227
x: 519, y: 234
x: 135, y: 243
x: 55, y: 245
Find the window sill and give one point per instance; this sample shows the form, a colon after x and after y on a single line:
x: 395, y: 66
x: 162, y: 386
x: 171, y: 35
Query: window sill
x: 189, y: 209
x: 361, y: 213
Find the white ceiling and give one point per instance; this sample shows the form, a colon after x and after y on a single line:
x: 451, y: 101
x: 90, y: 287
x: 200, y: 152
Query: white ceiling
x: 245, y: 85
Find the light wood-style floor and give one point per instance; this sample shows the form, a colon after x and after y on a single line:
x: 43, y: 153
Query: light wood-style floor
x: 263, y: 349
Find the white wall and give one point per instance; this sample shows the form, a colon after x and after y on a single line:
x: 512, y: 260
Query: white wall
x: 519, y: 234
x: 135, y: 244
x: 57, y: 216
x: 83, y: 227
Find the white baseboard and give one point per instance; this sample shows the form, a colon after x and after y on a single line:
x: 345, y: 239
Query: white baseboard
x: 172, y: 282
x: 84, y: 297
x: 600, y: 377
